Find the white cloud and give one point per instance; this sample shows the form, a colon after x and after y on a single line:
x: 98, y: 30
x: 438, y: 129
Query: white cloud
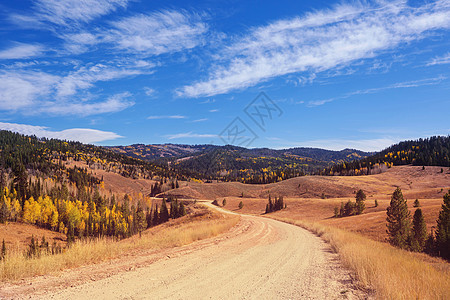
x: 319, y: 41
x: 21, y: 51
x: 157, y: 33
x: 200, y: 120
x: 405, y: 84
x: 19, y: 90
x: 84, y: 135
x: 149, y: 91
x: 67, y: 12
x: 113, y: 104
x: 189, y: 135
x: 440, y: 60
x: 213, y: 110
x: 85, y: 77
x: 29, y: 91
x: 166, y: 117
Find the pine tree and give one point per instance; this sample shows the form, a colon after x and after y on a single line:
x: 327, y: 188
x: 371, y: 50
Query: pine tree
x: 398, y: 220
x: 141, y: 222
x: 360, y: 206
x: 163, y: 212
x: 241, y: 205
x: 419, y: 233
x: 416, y: 203
x: 155, y: 220
x: 443, y: 229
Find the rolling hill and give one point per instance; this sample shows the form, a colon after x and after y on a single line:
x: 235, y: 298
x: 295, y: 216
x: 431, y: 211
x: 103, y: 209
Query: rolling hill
x: 232, y: 163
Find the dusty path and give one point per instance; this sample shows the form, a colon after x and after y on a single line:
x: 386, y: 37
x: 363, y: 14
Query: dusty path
x: 259, y: 259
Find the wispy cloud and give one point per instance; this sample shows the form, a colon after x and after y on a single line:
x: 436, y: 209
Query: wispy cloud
x: 445, y: 59
x: 166, y: 117
x: 68, y: 12
x: 319, y: 41
x: 28, y: 92
x: 157, y: 33
x: 85, y: 77
x: 199, y: 120
x: 84, y: 135
x: 149, y: 91
x: 405, y: 84
x: 21, y: 51
x: 190, y: 135
x: 213, y: 110
x: 150, y: 34
x: 113, y: 104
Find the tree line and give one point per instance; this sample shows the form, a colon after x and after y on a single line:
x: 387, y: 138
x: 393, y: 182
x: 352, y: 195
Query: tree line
x: 412, y: 234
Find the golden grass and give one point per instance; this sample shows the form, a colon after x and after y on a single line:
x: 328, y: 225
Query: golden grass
x: 392, y: 273
x: 179, y: 232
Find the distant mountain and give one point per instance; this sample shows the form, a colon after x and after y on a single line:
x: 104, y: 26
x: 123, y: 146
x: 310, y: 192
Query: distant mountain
x: 232, y: 163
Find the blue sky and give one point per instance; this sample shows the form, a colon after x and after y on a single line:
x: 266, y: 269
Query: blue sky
x: 352, y: 74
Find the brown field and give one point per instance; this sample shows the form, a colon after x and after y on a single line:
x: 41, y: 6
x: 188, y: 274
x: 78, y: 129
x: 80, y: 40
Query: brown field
x: 415, y: 183
x: 17, y: 236
x: 303, y: 196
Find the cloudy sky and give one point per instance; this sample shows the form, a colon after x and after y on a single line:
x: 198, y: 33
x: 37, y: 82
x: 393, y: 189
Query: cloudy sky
x: 333, y: 75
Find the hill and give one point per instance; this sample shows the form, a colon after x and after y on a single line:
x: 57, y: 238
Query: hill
x: 433, y: 151
x: 232, y: 163
x: 60, y: 186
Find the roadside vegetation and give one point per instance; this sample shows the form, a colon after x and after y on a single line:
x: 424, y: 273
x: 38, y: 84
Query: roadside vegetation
x: 198, y: 225
x: 389, y: 272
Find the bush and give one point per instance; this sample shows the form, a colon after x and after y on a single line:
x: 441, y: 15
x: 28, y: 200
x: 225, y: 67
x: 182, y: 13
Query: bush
x: 241, y: 205
x: 416, y: 203
x: 224, y: 202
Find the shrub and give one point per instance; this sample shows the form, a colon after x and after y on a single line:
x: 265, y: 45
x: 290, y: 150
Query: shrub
x: 241, y: 205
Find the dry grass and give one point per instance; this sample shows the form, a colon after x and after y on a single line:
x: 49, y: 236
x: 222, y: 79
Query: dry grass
x: 392, y: 273
x: 175, y: 233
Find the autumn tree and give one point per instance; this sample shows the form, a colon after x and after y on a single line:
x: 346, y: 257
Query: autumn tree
x: 443, y: 228
x: 360, y: 198
x: 398, y: 220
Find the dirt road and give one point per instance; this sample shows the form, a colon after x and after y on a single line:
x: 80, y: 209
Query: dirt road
x: 259, y: 259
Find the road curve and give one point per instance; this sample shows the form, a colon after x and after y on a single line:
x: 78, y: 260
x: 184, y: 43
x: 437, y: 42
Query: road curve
x: 258, y: 259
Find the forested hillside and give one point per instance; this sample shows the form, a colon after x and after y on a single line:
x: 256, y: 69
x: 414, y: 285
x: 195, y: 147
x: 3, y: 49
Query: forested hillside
x: 433, y: 151
x: 41, y: 184
x: 232, y: 163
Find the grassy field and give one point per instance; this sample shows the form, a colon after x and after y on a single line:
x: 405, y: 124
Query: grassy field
x: 392, y: 273
x: 200, y: 225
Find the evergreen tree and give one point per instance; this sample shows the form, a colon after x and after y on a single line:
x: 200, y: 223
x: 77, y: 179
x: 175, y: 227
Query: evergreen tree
x: 443, y: 229
x: 241, y: 205
x: 416, y: 203
x: 141, y: 222
x: 155, y: 220
x: 182, y: 210
x: 376, y: 203
x: 360, y: 198
x: 163, y: 212
x: 398, y: 220
x: 419, y: 233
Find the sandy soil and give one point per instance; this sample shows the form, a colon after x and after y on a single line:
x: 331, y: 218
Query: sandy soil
x: 258, y: 259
